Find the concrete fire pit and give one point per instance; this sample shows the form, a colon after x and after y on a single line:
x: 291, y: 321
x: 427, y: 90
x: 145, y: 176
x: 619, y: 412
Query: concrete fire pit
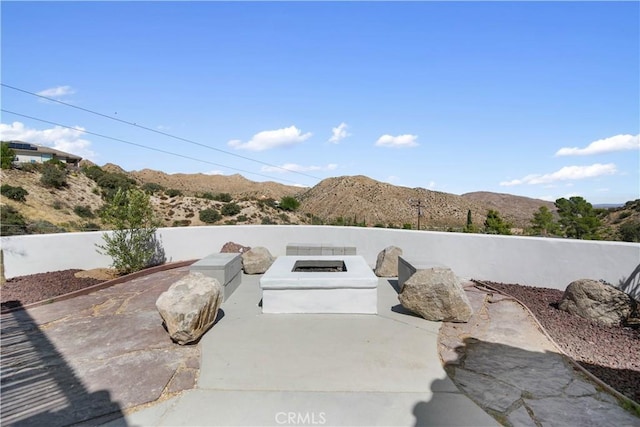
x: 319, y: 284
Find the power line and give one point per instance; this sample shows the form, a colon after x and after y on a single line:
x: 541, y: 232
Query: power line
x: 140, y: 145
x: 158, y: 131
x: 417, y: 203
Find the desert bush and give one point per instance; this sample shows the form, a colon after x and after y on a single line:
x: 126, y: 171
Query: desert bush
x: 231, y: 222
x: 110, y: 183
x: 14, y: 193
x: 90, y: 226
x: 181, y: 223
x: 407, y: 226
x: 207, y: 195
x: 172, y: 192
x: 57, y: 205
x: 11, y: 221
x: 284, y: 218
x: 630, y: 231
x: 132, y: 244
x: 267, y: 221
x: 230, y: 209
x: 53, y: 176
x: 242, y: 218
x: 209, y: 215
x: 43, y: 227
x: 189, y: 215
x: 289, y: 203
x: 223, y: 197
x: 83, y: 211
x: 152, y: 187
x: 269, y: 202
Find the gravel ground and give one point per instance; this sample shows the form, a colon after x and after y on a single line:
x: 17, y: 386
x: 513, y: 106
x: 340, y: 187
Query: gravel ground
x: 610, y: 353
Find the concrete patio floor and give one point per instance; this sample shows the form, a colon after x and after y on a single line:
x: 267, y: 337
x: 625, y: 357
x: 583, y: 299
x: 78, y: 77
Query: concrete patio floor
x: 311, y: 369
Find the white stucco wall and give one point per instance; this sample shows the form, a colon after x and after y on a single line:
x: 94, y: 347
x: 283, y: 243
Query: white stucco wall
x: 530, y: 261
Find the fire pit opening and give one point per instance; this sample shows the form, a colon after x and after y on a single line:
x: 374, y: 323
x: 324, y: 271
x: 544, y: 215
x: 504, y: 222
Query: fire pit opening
x: 315, y: 266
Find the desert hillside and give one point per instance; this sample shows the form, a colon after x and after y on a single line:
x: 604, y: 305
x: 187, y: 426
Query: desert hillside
x: 179, y: 199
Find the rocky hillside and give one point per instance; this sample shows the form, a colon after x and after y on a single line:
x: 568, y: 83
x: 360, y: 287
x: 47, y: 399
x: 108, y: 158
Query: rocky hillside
x: 178, y: 200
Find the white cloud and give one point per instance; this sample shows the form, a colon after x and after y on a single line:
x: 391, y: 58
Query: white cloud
x: 392, y: 179
x: 57, y: 92
x: 564, y: 174
x: 399, y: 141
x: 606, y: 145
x: 60, y: 138
x: 268, y: 139
x: 432, y: 184
x: 214, y: 172
x: 339, y: 133
x: 292, y: 167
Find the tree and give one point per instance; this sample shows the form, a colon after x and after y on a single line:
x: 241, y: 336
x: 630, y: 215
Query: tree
x: 132, y: 244
x: 470, y: 227
x: 230, y: 209
x: 578, y: 218
x: 6, y: 155
x: 496, y: 225
x: 543, y: 222
x: 289, y: 203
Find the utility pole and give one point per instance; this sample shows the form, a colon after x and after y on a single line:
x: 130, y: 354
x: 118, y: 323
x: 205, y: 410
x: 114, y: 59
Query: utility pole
x: 417, y: 203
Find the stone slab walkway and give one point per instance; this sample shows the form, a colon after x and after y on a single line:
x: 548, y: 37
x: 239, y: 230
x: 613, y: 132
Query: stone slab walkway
x: 504, y: 362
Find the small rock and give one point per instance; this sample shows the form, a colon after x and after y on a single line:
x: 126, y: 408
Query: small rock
x: 257, y: 260
x: 190, y: 306
x: 387, y: 262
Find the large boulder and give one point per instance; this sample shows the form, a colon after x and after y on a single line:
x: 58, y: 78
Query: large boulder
x: 436, y: 294
x: 257, y: 260
x: 234, y: 248
x: 597, y: 301
x: 387, y: 262
x: 190, y: 306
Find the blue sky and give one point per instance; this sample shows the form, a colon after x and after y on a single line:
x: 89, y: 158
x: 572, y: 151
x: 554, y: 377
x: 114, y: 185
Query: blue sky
x: 540, y: 99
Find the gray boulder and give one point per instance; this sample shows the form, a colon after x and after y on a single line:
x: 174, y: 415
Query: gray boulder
x: 597, y: 301
x: 436, y: 294
x: 190, y: 306
x: 257, y: 260
x: 387, y: 262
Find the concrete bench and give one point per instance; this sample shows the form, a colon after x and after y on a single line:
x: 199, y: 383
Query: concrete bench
x: 295, y: 249
x: 408, y: 266
x: 224, y: 267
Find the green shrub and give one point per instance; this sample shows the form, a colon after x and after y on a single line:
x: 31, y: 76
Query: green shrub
x: 172, y: 192
x: 407, y: 226
x: 57, y: 205
x: 14, y: 193
x: 152, y: 187
x: 110, y: 183
x: 132, y: 244
x: 11, y: 221
x: 181, y: 223
x: 90, y: 226
x: 289, y: 203
x: 267, y: 221
x: 43, y: 227
x: 53, y: 176
x: 241, y: 218
x: 208, y: 196
x: 209, y: 216
x: 630, y: 231
x: 223, y: 197
x: 230, y: 209
x: 262, y: 203
x: 83, y: 211
x: 93, y: 172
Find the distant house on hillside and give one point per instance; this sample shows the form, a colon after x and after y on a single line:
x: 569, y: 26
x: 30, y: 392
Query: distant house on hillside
x: 32, y: 153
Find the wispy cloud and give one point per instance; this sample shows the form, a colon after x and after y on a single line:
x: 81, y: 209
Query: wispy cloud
x: 564, y: 174
x: 292, y: 167
x: 268, y: 139
x: 606, y: 145
x: 63, y: 139
x: 339, y: 133
x: 400, y: 141
x: 57, y: 92
x: 214, y: 172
